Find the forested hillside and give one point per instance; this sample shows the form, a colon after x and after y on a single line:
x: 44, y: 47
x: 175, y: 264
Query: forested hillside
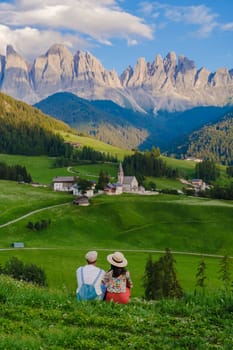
x: 125, y: 128
x: 104, y: 120
x: 214, y: 141
x: 26, y: 130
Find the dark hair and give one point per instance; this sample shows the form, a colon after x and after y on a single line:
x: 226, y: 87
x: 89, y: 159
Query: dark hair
x: 117, y: 271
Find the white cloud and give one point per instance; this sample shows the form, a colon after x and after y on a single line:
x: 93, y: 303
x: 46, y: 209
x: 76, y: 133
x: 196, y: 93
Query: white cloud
x: 200, y: 16
x: 31, y: 42
x: 132, y: 42
x: 227, y: 26
x: 37, y: 23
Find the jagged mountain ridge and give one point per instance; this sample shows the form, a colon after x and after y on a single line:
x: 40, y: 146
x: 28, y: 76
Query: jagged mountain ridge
x: 165, y: 84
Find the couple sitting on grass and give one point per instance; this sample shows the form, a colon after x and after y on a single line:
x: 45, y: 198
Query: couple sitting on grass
x: 96, y: 284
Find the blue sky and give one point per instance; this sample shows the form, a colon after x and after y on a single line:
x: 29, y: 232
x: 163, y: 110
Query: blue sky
x: 118, y: 32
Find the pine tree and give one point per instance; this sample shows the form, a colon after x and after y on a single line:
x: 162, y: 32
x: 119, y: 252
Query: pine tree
x: 224, y: 271
x: 171, y: 286
x: 160, y: 279
x: 148, y: 279
x: 201, y: 276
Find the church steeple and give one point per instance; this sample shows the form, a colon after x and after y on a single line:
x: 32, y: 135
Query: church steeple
x: 120, y: 174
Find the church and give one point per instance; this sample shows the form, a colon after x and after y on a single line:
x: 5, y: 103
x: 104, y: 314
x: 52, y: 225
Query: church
x: 129, y: 183
x: 124, y: 184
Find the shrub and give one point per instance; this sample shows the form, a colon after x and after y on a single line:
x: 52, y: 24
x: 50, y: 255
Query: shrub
x: 26, y: 272
x: 38, y: 225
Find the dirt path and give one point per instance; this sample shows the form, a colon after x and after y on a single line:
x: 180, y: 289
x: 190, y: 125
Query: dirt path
x: 31, y: 213
x: 150, y: 251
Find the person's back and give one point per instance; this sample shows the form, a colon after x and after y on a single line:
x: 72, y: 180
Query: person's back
x: 117, y: 280
x: 89, y: 279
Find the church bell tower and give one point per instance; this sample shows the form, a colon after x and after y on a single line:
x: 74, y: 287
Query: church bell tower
x: 120, y: 174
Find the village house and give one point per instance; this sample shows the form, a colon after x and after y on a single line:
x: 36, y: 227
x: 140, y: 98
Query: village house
x: 63, y: 183
x: 77, y: 191
x: 199, y: 184
x: 82, y: 201
x: 89, y: 192
x: 115, y: 188
x: 194, y: 159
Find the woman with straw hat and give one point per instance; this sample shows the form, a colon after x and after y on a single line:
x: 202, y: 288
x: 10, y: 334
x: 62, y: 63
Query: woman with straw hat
x: 117, y: 280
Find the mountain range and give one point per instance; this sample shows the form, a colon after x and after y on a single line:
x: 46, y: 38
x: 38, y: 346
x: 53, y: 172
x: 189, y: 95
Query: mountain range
x: 122, y: 127
x: 170, y: 83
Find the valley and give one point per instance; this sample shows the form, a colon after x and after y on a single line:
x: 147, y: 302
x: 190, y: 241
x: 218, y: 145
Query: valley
x: 190, y: 225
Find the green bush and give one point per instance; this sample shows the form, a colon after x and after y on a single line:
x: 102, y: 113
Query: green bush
x: 26, y: 272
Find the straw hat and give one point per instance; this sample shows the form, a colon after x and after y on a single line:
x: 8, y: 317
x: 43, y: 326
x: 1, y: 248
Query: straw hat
x: 117, y: 259
x: 91, y: 256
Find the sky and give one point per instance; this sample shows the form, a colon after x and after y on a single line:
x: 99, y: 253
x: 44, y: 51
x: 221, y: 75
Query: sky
x: 118, y: 32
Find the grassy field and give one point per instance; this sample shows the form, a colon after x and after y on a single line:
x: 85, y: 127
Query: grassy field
x: 33, y: 318
x: 92, y: 171
x: 186, y: 167
x: 42, y: 170
x: 134, y: 224
x: 183, y: 224
x: 97, y: 145
x: 165, y: 183
x: 60, y: 266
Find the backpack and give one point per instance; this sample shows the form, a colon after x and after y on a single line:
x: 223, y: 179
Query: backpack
x: 87, y: 291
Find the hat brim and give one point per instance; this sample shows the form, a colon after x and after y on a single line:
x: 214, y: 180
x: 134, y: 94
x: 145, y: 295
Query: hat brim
x: 114, y: 263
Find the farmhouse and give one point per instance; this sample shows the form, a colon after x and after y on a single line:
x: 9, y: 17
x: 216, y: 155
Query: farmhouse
x: 199, y: 184
x: 63, y: 183
x: 115, y: 188
x: 82, y: 200
x: 88, y: 192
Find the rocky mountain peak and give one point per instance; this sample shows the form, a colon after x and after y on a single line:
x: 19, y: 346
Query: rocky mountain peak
x: 168, y: 83
x: 10, y: 51
x: 158, y: 62
x: 126, y: 76
x: 184, y: 64
x: 58, y: 49
x: 170, y: 61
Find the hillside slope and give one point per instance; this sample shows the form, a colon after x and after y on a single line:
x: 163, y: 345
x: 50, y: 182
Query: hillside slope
x: 16, y: 112
x: 25, y: 130
x: 213, y: 141
x: 36, y: 318
x: 104, y: 120
x: 124, y: 128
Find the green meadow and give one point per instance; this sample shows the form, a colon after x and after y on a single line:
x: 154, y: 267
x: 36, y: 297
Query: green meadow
x: 43, y: 171
x: 138, y: 225
x: 37, y: 318
x: 96, y: 144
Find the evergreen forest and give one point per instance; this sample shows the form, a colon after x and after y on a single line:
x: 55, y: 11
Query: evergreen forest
x: 213, y: 141
x: 25, y: 130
